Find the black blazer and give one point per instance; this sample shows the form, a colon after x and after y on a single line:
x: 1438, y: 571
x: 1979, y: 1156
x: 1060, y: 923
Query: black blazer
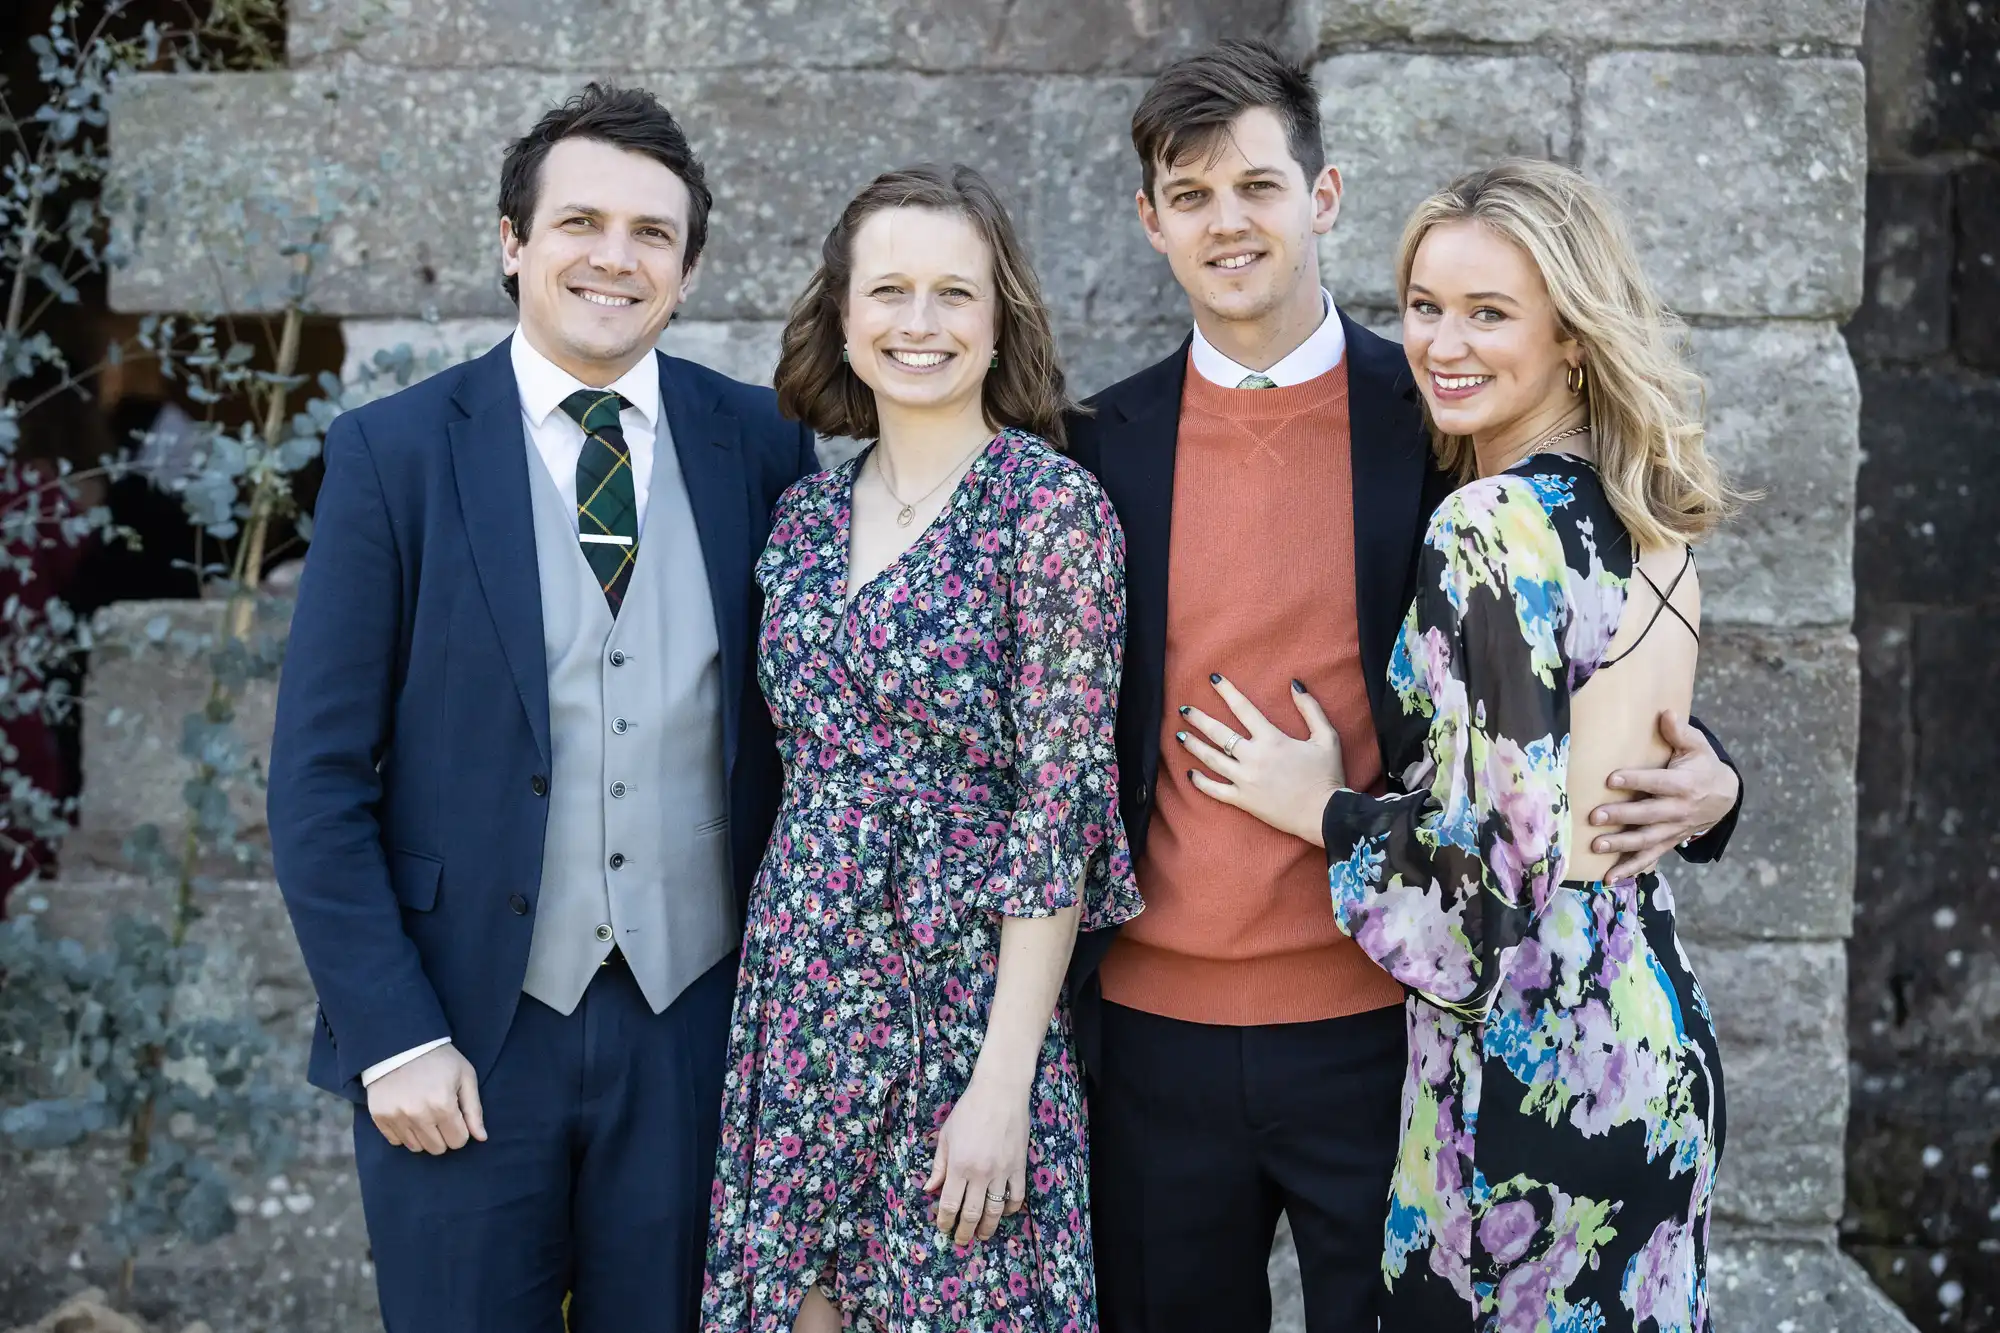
x: 411, y: 754
x: 1129, y: 441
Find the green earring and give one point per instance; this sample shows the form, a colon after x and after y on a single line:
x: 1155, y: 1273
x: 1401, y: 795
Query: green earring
x: 994, y: 362
x: 843, y: 354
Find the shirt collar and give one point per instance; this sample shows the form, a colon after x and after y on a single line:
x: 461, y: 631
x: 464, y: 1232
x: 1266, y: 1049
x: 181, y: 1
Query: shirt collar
x: 1308, y: 361
x: 543, y: 384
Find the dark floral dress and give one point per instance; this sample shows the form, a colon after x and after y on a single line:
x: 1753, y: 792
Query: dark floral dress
x: 948, y: 762
x: 1562, y: 1114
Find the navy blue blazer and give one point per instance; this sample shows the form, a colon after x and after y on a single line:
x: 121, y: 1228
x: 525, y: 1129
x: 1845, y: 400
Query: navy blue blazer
x: 411, y: 755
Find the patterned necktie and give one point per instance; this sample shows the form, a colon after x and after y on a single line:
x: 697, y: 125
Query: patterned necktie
x: 607, y: 511
x: 1258, y: 382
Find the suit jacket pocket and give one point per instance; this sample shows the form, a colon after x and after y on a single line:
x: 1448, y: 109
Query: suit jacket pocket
x: 414, y: 876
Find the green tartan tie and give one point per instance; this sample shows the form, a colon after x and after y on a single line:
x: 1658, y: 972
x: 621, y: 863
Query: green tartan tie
x: 1257, y: 382
x: 607, y: 511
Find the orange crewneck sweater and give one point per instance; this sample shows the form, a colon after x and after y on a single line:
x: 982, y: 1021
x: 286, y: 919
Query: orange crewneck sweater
x: 1238, y: 927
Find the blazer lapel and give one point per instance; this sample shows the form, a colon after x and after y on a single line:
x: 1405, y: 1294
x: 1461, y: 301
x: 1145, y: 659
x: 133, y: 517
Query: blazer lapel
x: 1390, y: 459
x: 489, y: 457
x: 707, y: 443
x: 1136, y: 469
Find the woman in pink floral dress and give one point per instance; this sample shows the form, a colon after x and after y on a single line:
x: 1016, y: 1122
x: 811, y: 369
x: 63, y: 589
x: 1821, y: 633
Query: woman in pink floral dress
x: 903, y: 1132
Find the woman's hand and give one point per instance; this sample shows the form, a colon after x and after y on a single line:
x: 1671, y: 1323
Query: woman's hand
x: 1258, y: 768
x: 980, y: 1173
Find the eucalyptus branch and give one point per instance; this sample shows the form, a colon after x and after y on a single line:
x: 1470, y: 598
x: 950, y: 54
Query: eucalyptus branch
x: 77, y: 379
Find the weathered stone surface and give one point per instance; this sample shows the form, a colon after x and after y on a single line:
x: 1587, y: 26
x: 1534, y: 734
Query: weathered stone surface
x: 1042, y: 36
x: 1782, y: 403
x: 1920, y: 1178
x: 1781, y: 1021
x: 1704, y: 23
x: 1288, y: 1302
x: 191, y: 151
x: 1978, y: 297
x: 1097, y: 270
x: 1099, y: 356
x: 1775, y: 1285
x: 1946, y: 1288
x: 298, y: 1259
x: 1924, y: 531
x: 1895, y: 46
x: 1905, y: 312
x: 1402, y: 126
x: 136, y: 696
x: 1927, y: 948
x: 1784, y: 704
x: 1963, y: 84
x: 1743, y: 177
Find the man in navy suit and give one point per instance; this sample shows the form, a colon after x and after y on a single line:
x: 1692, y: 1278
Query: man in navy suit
x: 522, y: 774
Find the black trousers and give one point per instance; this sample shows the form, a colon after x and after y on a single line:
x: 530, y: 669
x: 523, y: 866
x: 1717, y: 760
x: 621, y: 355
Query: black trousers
x: 594, y: 1178
x: 1200, y: 1136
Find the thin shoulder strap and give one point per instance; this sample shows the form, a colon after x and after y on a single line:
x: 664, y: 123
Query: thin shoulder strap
x: 1665, y: 604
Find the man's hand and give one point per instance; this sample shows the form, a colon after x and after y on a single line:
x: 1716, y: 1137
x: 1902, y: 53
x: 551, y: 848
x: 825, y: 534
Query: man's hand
x: 1684, y: 800
x: 430, y: 1104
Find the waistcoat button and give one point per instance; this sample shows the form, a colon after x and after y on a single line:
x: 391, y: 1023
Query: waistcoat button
x: 618, y: 724
x: 539, y: 785
x: 618, y: 789
x: 604, y: 932
x: 518, y: 903
x: 617, y: 860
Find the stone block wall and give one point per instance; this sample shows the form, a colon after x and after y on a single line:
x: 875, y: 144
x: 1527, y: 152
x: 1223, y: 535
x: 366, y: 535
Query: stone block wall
x: 1733, y: 133
x: 1923, y: 1145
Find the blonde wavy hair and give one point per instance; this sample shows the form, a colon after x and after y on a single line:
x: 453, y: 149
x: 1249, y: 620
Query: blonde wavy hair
x: 1645, y: 403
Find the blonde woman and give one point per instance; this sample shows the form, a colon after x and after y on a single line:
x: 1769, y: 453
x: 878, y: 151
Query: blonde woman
x: 1563, y: 1104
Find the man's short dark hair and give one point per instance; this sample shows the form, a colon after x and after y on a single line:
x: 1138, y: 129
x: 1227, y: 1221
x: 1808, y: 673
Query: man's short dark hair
x: 1192, y: 104
x: 628, y: 118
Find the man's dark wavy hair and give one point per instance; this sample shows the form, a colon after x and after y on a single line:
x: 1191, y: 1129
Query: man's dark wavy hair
x: 1188, y: 110
x: 628, y: 118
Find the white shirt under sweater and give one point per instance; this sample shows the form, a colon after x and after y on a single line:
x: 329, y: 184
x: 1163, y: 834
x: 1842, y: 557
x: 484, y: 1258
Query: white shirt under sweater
x: 559, y: 441
x: 1312, y: 358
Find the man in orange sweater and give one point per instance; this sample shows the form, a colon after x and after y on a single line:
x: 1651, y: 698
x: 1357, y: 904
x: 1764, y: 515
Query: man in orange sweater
x: 1274, y: 479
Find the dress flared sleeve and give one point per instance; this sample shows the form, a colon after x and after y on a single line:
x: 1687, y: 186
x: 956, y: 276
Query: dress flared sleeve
x: 1066, y: 630
x: 1436, y: 883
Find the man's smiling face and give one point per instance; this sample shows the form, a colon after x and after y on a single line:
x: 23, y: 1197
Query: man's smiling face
x: 1238, y: 224
x: 600, y: 269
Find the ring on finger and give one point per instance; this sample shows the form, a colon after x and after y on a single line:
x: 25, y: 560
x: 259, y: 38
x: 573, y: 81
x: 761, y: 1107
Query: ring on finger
x: 1229, y: 749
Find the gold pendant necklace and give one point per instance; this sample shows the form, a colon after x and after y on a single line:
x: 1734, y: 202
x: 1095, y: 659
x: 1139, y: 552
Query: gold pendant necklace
x: 908, y: 513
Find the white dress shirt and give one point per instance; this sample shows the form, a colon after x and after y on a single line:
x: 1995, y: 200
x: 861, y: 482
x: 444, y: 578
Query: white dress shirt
x: 559, y: 441
x: 557, y: 437
x: 1308, y: 361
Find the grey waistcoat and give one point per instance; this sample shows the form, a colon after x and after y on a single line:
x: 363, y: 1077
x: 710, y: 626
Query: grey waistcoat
x: 637, y: 851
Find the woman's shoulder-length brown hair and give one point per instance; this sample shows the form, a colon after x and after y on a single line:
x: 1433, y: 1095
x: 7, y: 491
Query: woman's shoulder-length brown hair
x: 1026, y: 390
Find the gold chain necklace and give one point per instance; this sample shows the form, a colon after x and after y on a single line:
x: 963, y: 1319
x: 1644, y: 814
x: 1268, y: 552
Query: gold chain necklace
x: 908, y: 513
x: 1559, y: 435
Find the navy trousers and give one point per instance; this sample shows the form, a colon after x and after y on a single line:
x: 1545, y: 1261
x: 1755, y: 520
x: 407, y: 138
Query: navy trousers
x: 594, y: 1178
x: 1201, y: 1135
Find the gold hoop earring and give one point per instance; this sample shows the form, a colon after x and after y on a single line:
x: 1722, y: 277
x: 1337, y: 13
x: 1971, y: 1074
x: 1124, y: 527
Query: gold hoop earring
x: 1575, y: 378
